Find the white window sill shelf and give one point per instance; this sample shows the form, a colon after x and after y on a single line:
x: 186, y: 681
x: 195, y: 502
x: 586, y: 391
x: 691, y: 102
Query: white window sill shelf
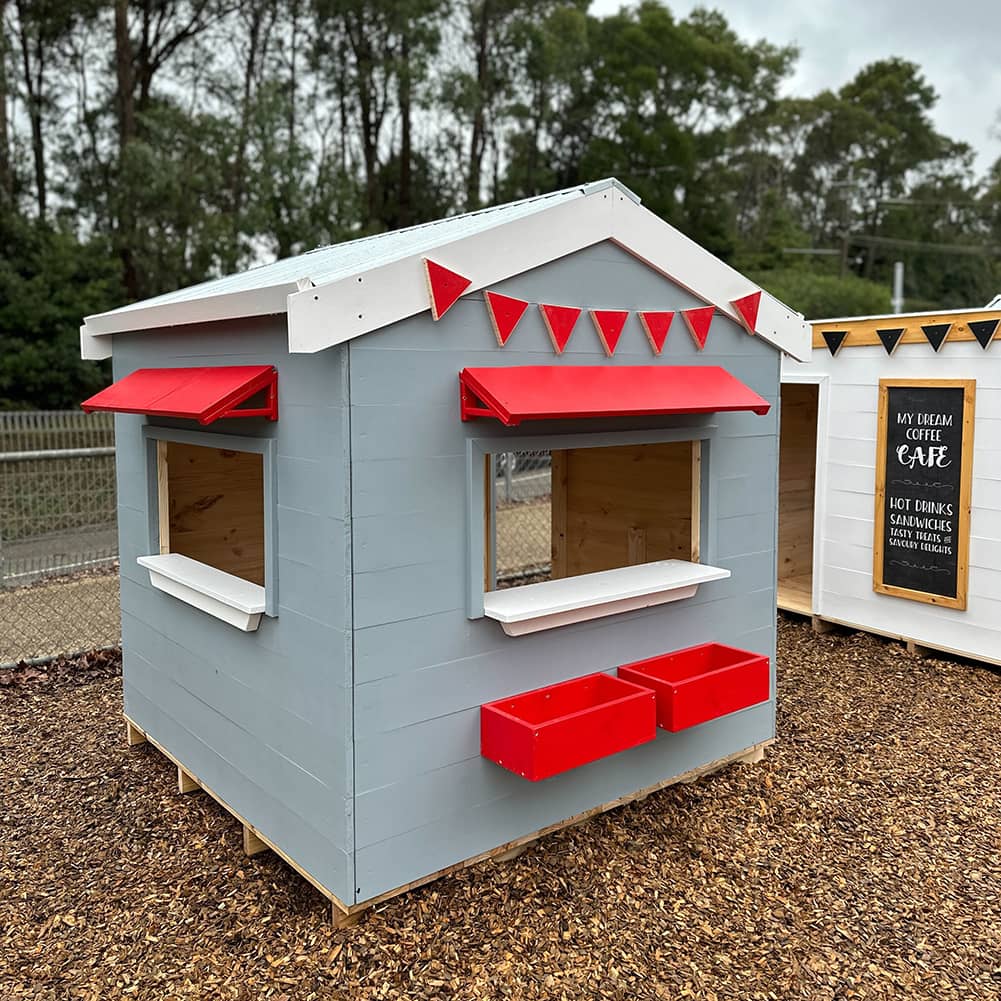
x: 553, y: 603
x: 232, y: 599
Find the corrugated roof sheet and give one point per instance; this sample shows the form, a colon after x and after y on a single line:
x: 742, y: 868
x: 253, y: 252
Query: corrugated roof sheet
x: 344, y: 259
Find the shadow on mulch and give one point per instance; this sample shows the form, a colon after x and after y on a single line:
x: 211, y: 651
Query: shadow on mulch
x: 859, y: 860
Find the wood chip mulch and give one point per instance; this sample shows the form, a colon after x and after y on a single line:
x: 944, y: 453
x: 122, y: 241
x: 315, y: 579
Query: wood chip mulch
x: 859, y: 860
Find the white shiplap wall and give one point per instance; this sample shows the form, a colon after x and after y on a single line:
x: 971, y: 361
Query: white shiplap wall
x: 842, y: 584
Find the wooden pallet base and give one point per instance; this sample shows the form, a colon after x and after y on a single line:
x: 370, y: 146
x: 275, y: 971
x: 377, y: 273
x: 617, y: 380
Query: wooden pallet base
x: 346, y: 915
x: 133, y: 735
x: 915, y: 647
x: 186, y: 783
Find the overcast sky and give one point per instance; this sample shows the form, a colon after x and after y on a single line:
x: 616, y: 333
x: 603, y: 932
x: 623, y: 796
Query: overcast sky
x: 957, y: 43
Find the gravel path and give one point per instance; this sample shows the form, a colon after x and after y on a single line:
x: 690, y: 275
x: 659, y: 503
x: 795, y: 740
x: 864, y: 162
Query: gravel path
x: 860, y: 860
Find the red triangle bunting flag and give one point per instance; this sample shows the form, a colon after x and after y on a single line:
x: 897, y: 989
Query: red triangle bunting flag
x: 444, y: 287
x: 560, y: 322
x: 699, y: 320
x: 609, y: 324
x: 656, y: 325
x: 747, y: 310
x: 505, y: 311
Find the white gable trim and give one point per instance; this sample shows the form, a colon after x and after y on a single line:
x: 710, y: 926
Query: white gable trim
x: 350, y: 307
x: 96, y: 344
x: 347, y: 307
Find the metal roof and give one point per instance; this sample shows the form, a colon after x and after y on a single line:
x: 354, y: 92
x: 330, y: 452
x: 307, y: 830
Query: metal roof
x: 342, y: 260
x: 336, y: 293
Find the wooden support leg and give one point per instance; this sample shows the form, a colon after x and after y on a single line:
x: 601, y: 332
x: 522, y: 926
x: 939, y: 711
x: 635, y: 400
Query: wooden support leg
x: 511, y: 854
x: 343, y: 919
x: 252, y: 844
x: 917, y: 650
x: 820, y: 627
x: 133, y: 735
x: 753, y: 757
x: 185, y: 782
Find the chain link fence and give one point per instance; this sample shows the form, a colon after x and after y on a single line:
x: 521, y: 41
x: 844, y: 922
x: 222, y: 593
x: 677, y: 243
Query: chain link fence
x: 523, y: 496
x: 58, y: 536
x: 59, y: 542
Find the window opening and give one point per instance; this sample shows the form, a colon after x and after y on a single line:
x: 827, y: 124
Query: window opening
x: 564, y: 513
x: 211, y: 507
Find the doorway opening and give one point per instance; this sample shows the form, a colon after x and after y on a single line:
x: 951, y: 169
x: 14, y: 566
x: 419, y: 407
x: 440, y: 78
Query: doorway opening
x: 797, y: 495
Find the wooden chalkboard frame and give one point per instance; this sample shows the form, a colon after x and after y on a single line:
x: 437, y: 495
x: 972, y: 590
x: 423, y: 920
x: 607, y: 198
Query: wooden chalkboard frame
x: 969, y: 387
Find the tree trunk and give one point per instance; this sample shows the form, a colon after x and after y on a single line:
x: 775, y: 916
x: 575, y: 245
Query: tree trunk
x: 124, y: 76
x: 478, y: 138
x: 240, y: 164
x: 405, y: 215
x: 6, y: 173
x: 126, y: 108
x: 33, y: 65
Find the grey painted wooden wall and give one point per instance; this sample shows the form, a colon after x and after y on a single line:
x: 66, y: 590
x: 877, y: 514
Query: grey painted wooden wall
x: 347, y: 728
x: 265, y: 718
x: 424, y: 796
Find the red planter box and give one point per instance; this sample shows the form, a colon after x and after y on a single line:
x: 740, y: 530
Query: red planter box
x: 551, y: 730
x: 701, y: 683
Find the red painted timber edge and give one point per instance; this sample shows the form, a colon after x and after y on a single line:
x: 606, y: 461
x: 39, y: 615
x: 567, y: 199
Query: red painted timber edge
x: 550, y: 730
x: 701, y: 683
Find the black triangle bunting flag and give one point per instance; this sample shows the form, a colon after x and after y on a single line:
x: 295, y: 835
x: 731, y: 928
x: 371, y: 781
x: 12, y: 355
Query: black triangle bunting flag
x: 984, y: 330
x: 936, y: 333
x: 890, y: 338
x: 834, y: 340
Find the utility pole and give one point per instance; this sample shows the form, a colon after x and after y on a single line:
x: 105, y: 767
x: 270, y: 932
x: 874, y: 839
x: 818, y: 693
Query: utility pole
x: 847, y: 186
x: 898, y: 287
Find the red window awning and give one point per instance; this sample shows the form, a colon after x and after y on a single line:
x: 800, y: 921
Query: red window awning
x: 552, y: 392
x: 201, y: 394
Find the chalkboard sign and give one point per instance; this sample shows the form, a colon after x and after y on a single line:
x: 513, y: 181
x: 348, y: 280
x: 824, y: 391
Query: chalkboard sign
x: 924, y: 467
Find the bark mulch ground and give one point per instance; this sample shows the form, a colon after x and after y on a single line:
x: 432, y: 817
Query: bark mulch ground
x: 859, y: 860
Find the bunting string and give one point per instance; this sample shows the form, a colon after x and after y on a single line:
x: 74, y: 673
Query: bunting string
x: 505, y: 312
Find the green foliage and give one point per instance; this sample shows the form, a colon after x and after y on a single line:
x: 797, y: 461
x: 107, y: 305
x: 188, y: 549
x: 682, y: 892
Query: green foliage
x: 48, y: 282
x: 212, y: 136
x: 817, y: 296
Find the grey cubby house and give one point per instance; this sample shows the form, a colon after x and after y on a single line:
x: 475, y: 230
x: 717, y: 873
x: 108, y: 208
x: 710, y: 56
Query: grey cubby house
x: 329, y: 622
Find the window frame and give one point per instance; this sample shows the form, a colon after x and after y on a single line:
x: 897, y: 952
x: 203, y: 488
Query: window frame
x: 479, y: 448
x: 154, y: 435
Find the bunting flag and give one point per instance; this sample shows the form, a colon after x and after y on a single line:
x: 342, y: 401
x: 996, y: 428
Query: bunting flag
x: 698, y: 321
x: 936, y: 334
x: 505, y: 311
x: 560, y: 321
x: 609, y: 324
x: 747, y: 310
x: 656, y: 324
x: 984, y: 331
x: 834, y: 340
x: 444, y: 287
x: 890, y: 338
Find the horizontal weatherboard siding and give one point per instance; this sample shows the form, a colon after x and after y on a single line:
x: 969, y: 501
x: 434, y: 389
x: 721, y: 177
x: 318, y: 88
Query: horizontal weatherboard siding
x: 847, y: 450
x: 263, y: 718
x: 425, y: 798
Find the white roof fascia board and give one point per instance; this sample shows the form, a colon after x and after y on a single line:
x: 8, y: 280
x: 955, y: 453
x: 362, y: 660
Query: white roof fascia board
x: 681, y: 260
x: 356, y: 304
x: 908, y: 316
x: 93, y: 348
x: 348, y: 307
x: 227, y: 306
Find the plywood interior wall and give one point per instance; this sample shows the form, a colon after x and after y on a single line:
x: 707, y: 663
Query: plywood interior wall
x: 619, y: 506
x: 797, y: 480
x: 215, y: 503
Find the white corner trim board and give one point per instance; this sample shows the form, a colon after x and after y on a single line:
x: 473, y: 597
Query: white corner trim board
x: 232, y: 599
x: 553, y: 603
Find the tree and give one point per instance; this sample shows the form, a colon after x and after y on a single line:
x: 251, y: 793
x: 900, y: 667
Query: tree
x: 48, y: 281
x: 817, y: 296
